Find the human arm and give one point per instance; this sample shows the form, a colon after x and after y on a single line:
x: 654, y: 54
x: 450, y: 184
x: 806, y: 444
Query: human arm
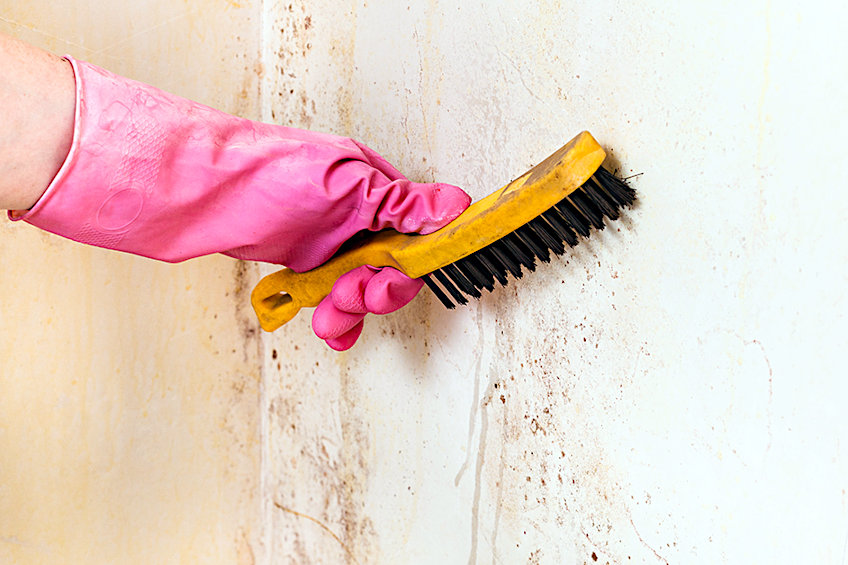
x: 157, y: 175
x: 36, y: 120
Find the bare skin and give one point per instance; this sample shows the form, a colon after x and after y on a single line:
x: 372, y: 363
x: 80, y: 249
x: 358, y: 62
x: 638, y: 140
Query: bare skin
x: 37, y: 101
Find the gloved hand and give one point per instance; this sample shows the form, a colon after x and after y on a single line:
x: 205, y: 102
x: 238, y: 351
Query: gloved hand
x: 339, y: 317
x: 157, y: 175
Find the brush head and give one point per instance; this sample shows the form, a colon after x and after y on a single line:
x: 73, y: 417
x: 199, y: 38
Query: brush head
x: 536, y: 216
x: 602, y: 196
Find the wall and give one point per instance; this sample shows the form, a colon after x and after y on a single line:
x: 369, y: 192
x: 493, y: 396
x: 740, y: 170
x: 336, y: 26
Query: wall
x: 671, y: 391
x: 129, y: 390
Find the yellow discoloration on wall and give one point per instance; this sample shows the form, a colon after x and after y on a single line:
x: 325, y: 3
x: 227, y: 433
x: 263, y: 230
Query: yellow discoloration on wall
x: 129, y: 389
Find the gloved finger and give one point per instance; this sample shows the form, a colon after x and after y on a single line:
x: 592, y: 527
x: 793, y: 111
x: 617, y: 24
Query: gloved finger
x: 389, y: 290
x: 412, y: 207
x: 338, y: 319
x: 347, y: 339
x: 328, y: 322
x: 345, y: 306
x: 348, y: 292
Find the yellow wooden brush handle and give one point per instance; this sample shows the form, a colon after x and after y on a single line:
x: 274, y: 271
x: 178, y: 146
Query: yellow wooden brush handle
x: 279, y: 296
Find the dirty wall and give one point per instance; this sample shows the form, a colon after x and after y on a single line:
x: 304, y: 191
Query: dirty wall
x: 129, y: 389
x: 669, y: 392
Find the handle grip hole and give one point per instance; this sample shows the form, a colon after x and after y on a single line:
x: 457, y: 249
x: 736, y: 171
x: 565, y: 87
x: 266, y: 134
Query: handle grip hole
x: 277, y: 300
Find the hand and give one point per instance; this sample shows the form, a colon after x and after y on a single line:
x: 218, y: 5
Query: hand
x: 157, y: 175
x: 420, y: 208
x: 339, y: 318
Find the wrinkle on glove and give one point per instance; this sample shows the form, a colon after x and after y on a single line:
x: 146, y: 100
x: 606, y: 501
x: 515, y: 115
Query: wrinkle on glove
x: 161, y: 176
x: 158, y: 175
x: 338, y: 319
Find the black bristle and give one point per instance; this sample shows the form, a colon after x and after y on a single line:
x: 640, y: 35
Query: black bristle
x: 485, y: 270
x: 587, y: 208
x: 618, y: 190
x: 461, y: 280
x: 519, y: 250
x: 603, y: 195
x: 452, y: 290
x: 478, y: 276
x: 536, y: 246
x: 438, y: 292
x: 547, y: 234
x: 564, y: 232
x: 597, y: 195
x: 499, y: 251
x: 572, y: 217
x: 492, y: 265
x: 468, y: 276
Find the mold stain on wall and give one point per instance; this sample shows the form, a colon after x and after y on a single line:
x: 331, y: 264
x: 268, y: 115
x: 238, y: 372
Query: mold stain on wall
x: 542, y: 462
x: 327, y: 518
x: 527, y: 469
x: 140, y: 437
x: 327, y: 466
x: 631, y: 402
x: 292, y: 34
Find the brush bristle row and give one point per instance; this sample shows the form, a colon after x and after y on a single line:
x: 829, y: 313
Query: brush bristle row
x: 555, y: 230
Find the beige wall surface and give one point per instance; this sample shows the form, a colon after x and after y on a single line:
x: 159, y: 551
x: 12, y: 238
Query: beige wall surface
x: 669, y: 392
x: 129, y: 389
x: 672, y: 391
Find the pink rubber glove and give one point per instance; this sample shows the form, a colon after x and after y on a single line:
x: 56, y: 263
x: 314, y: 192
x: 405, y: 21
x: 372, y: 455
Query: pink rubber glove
x: 339, y: 317
x: 157, y: 175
